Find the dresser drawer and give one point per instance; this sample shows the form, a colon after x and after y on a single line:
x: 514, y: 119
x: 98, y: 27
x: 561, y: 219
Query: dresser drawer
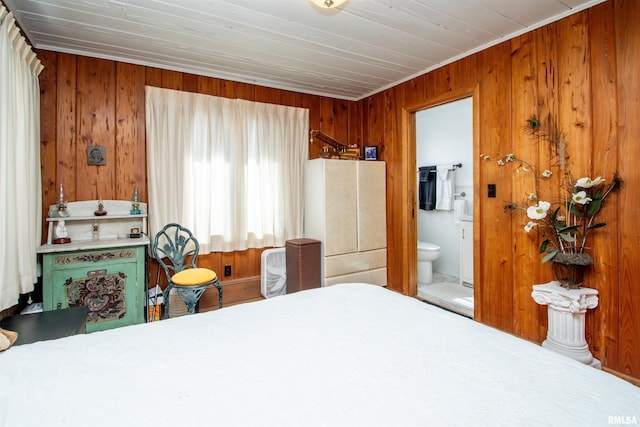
x: 358, y: 261
x: 377, y: 276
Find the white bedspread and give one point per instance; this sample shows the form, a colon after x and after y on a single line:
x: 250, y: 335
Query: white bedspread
x: 346, y: 355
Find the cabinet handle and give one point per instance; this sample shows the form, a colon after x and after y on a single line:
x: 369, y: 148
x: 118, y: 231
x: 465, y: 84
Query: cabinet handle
x: 101, y: 272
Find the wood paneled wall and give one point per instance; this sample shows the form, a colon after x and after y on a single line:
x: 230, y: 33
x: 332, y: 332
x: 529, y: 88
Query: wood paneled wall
x: 88, y: 101
x: 583, y: 70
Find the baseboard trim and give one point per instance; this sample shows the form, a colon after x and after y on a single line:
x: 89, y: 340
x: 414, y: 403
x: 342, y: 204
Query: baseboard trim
x: 633, y: 380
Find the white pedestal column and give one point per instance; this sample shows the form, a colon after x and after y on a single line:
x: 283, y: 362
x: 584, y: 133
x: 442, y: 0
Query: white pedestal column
x: 566, y: 310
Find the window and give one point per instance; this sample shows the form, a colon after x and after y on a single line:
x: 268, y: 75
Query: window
x: 230, y: 170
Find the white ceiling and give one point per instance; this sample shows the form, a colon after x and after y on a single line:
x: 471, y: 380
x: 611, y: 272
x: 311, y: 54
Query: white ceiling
x: 364, y: 47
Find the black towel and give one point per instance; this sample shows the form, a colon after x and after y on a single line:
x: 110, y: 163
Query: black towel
x: 427, y: 188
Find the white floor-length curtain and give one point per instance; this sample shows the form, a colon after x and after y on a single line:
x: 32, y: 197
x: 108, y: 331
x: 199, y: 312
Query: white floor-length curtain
x: 230, y: 170
x: 20, y: 195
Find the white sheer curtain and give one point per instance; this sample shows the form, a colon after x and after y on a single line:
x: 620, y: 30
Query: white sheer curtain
x: 230, y: 170
x: 20, y: 198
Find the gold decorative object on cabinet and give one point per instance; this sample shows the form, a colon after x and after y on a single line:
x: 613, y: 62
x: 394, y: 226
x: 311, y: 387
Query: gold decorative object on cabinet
x: 334, y: 149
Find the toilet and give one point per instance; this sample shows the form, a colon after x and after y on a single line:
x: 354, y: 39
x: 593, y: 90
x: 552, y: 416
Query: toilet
x: 427, y: 253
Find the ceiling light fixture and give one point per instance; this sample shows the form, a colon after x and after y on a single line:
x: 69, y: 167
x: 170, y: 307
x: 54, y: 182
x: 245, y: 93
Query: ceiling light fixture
x: 327, y: 4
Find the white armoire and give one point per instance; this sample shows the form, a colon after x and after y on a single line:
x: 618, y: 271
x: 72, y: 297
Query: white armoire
x: 345, y: 208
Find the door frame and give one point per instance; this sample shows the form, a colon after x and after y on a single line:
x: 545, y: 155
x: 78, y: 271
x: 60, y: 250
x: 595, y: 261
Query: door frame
x: 408, y: 141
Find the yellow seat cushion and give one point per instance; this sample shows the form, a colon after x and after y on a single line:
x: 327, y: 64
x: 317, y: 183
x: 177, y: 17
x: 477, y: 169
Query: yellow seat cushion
x: 193, y: 276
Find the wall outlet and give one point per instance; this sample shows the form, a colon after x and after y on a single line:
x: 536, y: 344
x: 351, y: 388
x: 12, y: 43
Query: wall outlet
x: 491, y: 190
x: 227, y: 270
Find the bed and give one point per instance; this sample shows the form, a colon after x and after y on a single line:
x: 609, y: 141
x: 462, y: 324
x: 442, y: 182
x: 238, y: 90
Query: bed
x: 345, y: 355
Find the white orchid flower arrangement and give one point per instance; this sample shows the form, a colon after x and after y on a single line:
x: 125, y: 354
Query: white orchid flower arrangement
x: 563, y: 225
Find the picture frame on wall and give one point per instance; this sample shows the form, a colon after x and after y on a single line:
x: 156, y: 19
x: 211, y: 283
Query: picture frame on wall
x: 371, y: 152
x: 96, y: 155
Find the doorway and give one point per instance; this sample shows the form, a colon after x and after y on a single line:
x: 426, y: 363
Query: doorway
x: 410, y: 240
x: 444, y: 157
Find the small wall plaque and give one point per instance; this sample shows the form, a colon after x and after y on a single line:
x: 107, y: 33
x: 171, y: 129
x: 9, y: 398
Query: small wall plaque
x: 96, y: 156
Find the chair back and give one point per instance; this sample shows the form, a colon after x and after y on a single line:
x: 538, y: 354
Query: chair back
x: 175, y: 249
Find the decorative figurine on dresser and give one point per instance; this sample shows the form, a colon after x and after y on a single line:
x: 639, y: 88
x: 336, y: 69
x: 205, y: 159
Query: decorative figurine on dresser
x: 95, y: 257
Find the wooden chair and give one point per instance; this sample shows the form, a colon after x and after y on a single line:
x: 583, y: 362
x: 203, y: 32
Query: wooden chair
x: 176, y: 250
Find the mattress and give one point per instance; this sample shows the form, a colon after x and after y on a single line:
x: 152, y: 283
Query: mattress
x: 345, y: 355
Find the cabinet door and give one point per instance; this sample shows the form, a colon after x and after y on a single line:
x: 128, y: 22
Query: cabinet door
x: 372, y: 216
x: 340, y: 206
x: 466, y: 252
x: 104, y: 281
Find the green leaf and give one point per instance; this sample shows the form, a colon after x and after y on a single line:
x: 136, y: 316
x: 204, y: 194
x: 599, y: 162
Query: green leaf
x: 570, y: 229
x: 567, y: 237
x: 575, y: 210
x: 594, y: 207
x: 549, y: 256
x: 543, y: 246
x: 598, y: 195
x: 602, y: 224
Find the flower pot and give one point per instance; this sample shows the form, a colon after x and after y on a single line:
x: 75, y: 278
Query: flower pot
x: 569, y: 269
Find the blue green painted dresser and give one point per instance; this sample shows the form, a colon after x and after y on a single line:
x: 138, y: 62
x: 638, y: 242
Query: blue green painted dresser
x: 102, y: 267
